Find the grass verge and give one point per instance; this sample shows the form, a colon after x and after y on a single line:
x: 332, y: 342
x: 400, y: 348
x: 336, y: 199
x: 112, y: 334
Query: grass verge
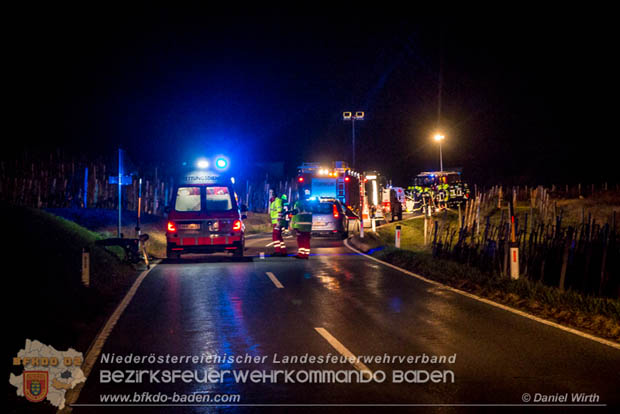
x: 47, y: 299
x: 598, y: 316
x: 257, y: 223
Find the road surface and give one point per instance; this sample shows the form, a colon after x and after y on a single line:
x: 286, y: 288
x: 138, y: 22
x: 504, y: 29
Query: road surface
x: 337, y: 303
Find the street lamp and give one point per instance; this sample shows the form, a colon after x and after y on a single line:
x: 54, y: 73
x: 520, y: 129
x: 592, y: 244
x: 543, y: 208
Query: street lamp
x: 439, y: 138
x: 350, y: 116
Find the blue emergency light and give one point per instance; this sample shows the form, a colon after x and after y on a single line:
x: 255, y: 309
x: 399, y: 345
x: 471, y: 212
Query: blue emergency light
x: 221, y: 162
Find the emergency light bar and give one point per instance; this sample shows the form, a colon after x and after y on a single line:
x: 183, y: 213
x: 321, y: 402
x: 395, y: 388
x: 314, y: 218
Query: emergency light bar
x: 220, y: 163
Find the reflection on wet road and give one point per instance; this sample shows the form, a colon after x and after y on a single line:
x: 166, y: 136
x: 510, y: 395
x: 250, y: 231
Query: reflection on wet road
x: 212, y: 314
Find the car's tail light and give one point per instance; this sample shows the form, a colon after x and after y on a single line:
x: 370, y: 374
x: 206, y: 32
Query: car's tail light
x: 237, y: 225
x: 335, y: 209
x: 171, y: 227
x: 300, y: 179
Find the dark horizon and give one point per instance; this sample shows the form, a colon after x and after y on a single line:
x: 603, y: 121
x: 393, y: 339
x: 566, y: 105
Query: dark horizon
x: 521, y: 100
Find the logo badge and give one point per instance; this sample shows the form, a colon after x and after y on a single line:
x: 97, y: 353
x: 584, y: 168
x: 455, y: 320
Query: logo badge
x: 35, y: 385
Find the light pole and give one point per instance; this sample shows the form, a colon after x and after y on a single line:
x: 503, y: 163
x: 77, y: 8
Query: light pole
x: 349, y: 116
x: 439, y: 138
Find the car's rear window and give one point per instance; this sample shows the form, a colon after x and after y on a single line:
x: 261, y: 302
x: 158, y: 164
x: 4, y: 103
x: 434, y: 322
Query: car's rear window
x: 218, y: 199
x: 188, y: 199
x: 322, y: 208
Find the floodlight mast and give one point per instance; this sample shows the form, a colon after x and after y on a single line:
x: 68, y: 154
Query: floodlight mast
x: 350, y: 116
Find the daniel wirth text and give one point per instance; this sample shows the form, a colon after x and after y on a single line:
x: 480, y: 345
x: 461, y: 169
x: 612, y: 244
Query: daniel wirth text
x: 575, y: 397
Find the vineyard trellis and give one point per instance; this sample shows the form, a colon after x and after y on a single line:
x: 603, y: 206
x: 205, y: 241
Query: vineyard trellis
x: 584, y: 257
x: 60, y: 181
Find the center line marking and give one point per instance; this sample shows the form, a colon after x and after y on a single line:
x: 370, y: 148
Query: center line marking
x: 344, y: 351
x: 275, y: 280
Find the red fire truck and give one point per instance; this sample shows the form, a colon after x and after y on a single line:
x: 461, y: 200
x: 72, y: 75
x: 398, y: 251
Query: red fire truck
x: 331, y: 181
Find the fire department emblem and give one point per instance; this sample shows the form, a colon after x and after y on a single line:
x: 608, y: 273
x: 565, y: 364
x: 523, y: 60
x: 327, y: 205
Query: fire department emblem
x: 35, y: 385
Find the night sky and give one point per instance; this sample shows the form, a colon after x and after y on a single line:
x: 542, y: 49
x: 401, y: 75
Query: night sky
x: 523, y: 99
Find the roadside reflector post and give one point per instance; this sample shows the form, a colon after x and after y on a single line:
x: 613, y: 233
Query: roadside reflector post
x: 514, y: 246
x: 362, y: 228
x: 397, y: 241
x: 514, y: 262
x: 86, y: 266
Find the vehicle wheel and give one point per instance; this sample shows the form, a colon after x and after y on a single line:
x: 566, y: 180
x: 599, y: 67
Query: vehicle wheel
x: 344, y: 235
x: 238, y: 252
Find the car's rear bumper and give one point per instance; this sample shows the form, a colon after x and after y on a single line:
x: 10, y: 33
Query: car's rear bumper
x: 204, y: 244
x: 325, y: 233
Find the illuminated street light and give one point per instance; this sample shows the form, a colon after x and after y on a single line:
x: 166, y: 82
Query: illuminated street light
x: 350, y: 116
x: 439, y: 138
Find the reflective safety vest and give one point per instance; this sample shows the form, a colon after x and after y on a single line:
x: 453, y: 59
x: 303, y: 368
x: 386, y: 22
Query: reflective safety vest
x: 275, y: 211
x: 302, y: 221
x: 419, y: 190
x: 446, y: 188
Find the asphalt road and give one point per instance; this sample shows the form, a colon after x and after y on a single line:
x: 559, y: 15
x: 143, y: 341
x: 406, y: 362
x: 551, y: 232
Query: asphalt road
x: 338, y: 302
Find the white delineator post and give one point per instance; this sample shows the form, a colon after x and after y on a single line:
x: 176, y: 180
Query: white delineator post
x: 397, y: 236
x: 514, y: 249
x: 86, y: 266
x: 514, y: 263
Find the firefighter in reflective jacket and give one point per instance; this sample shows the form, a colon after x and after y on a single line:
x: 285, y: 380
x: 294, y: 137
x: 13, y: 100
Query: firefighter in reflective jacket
x: 443, y: 192
x: 277, y: 223
x: 302, y: 224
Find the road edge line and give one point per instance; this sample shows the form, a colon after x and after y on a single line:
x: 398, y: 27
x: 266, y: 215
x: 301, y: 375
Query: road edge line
x: 492, y: 303
x: 96, y: 346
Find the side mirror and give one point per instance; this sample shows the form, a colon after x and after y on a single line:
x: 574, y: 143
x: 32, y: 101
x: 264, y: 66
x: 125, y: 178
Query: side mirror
x: 243, y: 217
x: 243, y: 208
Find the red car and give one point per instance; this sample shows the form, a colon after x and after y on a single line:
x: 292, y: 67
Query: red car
x: 204, y: 216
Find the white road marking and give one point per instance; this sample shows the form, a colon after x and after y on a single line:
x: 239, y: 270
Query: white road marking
x: 338, y: 346
x: 490, y: 302
x: 275, y: 280
x: 97, y: 345
x: 267, y: 245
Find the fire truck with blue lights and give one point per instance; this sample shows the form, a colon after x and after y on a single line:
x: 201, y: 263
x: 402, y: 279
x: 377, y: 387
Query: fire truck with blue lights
x: 331, y: 181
